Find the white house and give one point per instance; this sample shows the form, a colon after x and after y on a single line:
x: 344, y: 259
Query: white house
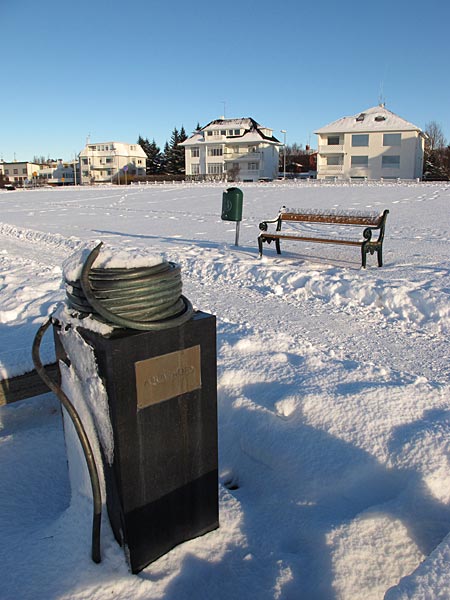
x: 374, y: 144
x: 104, y: 162
x: 232, y: 150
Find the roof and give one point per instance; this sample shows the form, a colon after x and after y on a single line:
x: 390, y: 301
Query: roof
x: 377, y: 118
x: 252, y: 131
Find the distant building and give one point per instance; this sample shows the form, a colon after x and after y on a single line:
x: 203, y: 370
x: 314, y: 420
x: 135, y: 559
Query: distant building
x: 19, y: 173
x: 58, y: 173
x: 106, y: 162
x: 232, y: 150
x: 374, y: 144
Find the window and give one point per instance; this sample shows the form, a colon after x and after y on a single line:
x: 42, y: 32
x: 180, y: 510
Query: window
x: 216, y: 132
x: 85, y: 173
x: 360, y: 161
x: 215, y: 152
x: 16, y: 171
x: 333, y: 140
x: 237, y: 132
x: 195, y: 169
x: 209, y: 132
x: 85, y: 161
x: 252, y: 166
x: 24, y: 171
x: 360, y: 139
x: 6, y: 171
x: 392, y: 162
x: 223, y: 132
x: 109, y: 160
x: 215, y: 169
x: 195, y: 152
x: 392, y: 139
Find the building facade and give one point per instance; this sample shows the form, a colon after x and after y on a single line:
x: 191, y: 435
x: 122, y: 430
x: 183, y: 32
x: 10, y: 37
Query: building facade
x: 19, y: 173
x: 232, y: 150
x: 59, y: 173
x: 374, y: 144
x: 106, y: 162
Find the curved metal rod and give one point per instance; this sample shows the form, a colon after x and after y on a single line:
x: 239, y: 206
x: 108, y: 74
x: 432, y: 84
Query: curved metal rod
x: 121, y: 321
x: 86, y: 446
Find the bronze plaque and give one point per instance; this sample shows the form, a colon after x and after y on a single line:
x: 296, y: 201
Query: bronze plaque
x: 167, y: 376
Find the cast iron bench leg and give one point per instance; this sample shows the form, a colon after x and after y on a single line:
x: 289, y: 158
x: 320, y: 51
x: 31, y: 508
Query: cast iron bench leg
x: 380, y: 256
x: 260, y: 246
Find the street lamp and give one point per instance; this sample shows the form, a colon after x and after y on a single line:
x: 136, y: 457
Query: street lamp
x: 283, y: 131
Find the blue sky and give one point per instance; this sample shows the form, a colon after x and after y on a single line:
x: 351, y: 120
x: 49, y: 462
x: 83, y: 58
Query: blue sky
x: 116, y: 70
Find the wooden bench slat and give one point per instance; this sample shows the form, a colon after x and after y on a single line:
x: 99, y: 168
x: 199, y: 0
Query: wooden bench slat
x: 332, y: 219
x: 311, y: 239
x: 26, y: 386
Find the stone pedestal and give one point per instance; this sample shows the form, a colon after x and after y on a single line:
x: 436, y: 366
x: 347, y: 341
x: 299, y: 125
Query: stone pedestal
x: 162, y: 487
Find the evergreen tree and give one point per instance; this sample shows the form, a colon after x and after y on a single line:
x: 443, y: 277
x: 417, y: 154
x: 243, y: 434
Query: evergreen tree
x: 154, y: 158
x: 165, y: 158
x: 174, y: 153
x: 153, y: 163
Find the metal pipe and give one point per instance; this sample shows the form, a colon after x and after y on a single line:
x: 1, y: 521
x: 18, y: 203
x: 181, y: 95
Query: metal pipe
x: 82, y: 436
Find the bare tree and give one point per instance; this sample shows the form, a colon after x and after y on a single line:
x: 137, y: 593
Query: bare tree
x: 436, y: 139
x: 437, y: 154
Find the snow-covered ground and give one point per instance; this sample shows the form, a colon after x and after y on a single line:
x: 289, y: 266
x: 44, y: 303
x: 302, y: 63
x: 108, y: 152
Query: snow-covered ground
x: 333, y: 392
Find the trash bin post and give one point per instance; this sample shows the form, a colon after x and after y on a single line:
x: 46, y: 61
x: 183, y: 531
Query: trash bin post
x: 232, y: 201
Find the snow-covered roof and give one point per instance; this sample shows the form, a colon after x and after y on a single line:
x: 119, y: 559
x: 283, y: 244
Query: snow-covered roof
x: 377, y: 118
x: 251, y: 131
x: 124, y: 148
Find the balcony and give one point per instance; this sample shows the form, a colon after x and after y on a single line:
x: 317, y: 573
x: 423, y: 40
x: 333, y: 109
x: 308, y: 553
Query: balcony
x: 331, y: 149
x: 102, y: 167
x: 250, y: 156
x: 330, y: 169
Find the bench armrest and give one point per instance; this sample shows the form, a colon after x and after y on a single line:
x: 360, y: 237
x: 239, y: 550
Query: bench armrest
x: 263, y: 226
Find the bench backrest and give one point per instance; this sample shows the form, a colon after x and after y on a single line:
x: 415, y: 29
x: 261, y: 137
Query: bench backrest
x: 365, y: 220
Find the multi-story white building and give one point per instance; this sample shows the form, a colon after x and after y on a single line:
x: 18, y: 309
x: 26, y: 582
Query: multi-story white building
x: 374, y: 144
x: 232, y: 150
x: 111, y: 161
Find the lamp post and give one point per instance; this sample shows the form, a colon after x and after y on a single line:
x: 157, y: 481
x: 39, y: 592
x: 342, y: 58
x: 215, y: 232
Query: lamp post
x: 283, y: 131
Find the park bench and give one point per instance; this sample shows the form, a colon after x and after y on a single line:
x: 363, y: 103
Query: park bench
x: 311, y: 230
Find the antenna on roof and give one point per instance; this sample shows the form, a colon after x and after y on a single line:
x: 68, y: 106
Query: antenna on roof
x: 381, y: 98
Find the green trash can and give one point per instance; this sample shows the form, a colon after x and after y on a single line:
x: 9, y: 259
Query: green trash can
x: 232, y: 201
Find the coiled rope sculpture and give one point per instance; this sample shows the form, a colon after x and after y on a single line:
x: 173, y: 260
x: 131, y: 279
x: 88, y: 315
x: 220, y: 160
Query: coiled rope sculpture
x: 143, y: 298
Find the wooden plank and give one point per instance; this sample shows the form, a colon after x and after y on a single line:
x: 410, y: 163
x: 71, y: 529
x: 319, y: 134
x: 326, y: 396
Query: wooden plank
x: 281, y: 236
x: 26, y: 386
x: 332, y: 219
